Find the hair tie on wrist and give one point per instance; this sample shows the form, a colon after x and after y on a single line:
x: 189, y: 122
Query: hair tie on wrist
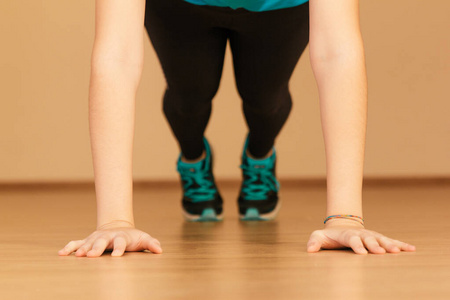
x: 350, y: 217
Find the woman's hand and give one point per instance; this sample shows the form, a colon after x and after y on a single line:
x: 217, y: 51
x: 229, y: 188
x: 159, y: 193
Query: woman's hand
x: 340, y: 234
x: 119, y: 237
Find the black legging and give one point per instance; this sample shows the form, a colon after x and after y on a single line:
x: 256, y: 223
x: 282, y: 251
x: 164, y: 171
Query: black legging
x: 190, y: 41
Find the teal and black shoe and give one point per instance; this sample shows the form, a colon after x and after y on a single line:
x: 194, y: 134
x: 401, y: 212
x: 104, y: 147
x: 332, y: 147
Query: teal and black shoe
x: 201, y: 199
x: 258, y: 198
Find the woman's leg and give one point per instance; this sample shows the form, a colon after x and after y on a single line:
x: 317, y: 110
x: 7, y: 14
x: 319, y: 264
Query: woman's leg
x: 190, y: 46
x: 266, y: 47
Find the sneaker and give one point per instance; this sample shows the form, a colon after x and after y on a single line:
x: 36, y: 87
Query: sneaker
x: 201, y: 199
x: 258, y: 199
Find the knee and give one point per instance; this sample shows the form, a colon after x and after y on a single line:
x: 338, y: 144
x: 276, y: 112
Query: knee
x: 190, y: 99
x: 264, y: 102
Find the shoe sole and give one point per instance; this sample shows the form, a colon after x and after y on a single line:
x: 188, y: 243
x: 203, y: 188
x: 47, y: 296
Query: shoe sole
x: 252, y: 214
x: 208, y: 215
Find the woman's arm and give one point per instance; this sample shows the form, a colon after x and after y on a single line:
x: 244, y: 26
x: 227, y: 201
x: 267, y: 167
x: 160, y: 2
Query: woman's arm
x: 337, y: 59
x: 338, y: 62
x: 116, y: 68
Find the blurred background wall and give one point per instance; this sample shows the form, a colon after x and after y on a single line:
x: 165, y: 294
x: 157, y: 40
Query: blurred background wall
x: 44, y: 77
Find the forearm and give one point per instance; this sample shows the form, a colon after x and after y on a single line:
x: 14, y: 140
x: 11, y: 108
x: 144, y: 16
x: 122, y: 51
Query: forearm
x: 111, y: 123
x: 342, y: 86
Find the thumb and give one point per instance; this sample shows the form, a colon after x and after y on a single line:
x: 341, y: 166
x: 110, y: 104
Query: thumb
x: 314, y: 243
x: 153, y: 245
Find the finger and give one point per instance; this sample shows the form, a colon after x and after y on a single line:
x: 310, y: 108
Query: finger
x: 314, y: 243
x: 85, y: 248
x: 70, y: 247
x: 372, y: 244
x: 357, y: 245
x: 120, y: 244
x: 99, y: 247
x: 152, y: 244
x: 388, y: 244
x: 404, y: 246
x: 396, y: 245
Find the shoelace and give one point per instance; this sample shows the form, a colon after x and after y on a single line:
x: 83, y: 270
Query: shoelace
x: 257, y: 191
x: 196, y: 186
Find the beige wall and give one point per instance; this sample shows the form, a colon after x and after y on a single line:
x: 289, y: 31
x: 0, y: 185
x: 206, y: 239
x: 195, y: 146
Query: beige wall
x: 44, y: 77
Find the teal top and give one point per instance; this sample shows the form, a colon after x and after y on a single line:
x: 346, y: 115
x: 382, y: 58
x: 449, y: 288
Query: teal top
x: 252, y: 5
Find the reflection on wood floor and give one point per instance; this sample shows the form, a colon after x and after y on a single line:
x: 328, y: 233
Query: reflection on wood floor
x: 226, y: 260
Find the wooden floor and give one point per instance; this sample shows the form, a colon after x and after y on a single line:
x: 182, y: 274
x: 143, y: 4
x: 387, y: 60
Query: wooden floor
x: 227, y: 260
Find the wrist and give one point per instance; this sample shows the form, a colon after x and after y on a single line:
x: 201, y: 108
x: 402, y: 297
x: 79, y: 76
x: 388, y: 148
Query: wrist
x: 116, y: 224
x: 333, y: 223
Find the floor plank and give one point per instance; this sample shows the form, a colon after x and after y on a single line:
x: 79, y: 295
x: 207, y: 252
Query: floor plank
x: 230, y: 259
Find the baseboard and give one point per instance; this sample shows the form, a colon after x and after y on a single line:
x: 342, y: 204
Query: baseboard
x: 286, y: 182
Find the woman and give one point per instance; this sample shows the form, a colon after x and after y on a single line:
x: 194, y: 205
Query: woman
x: 267, y: 37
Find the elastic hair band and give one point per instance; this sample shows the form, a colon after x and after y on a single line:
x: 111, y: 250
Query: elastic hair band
x: 350, y: 217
